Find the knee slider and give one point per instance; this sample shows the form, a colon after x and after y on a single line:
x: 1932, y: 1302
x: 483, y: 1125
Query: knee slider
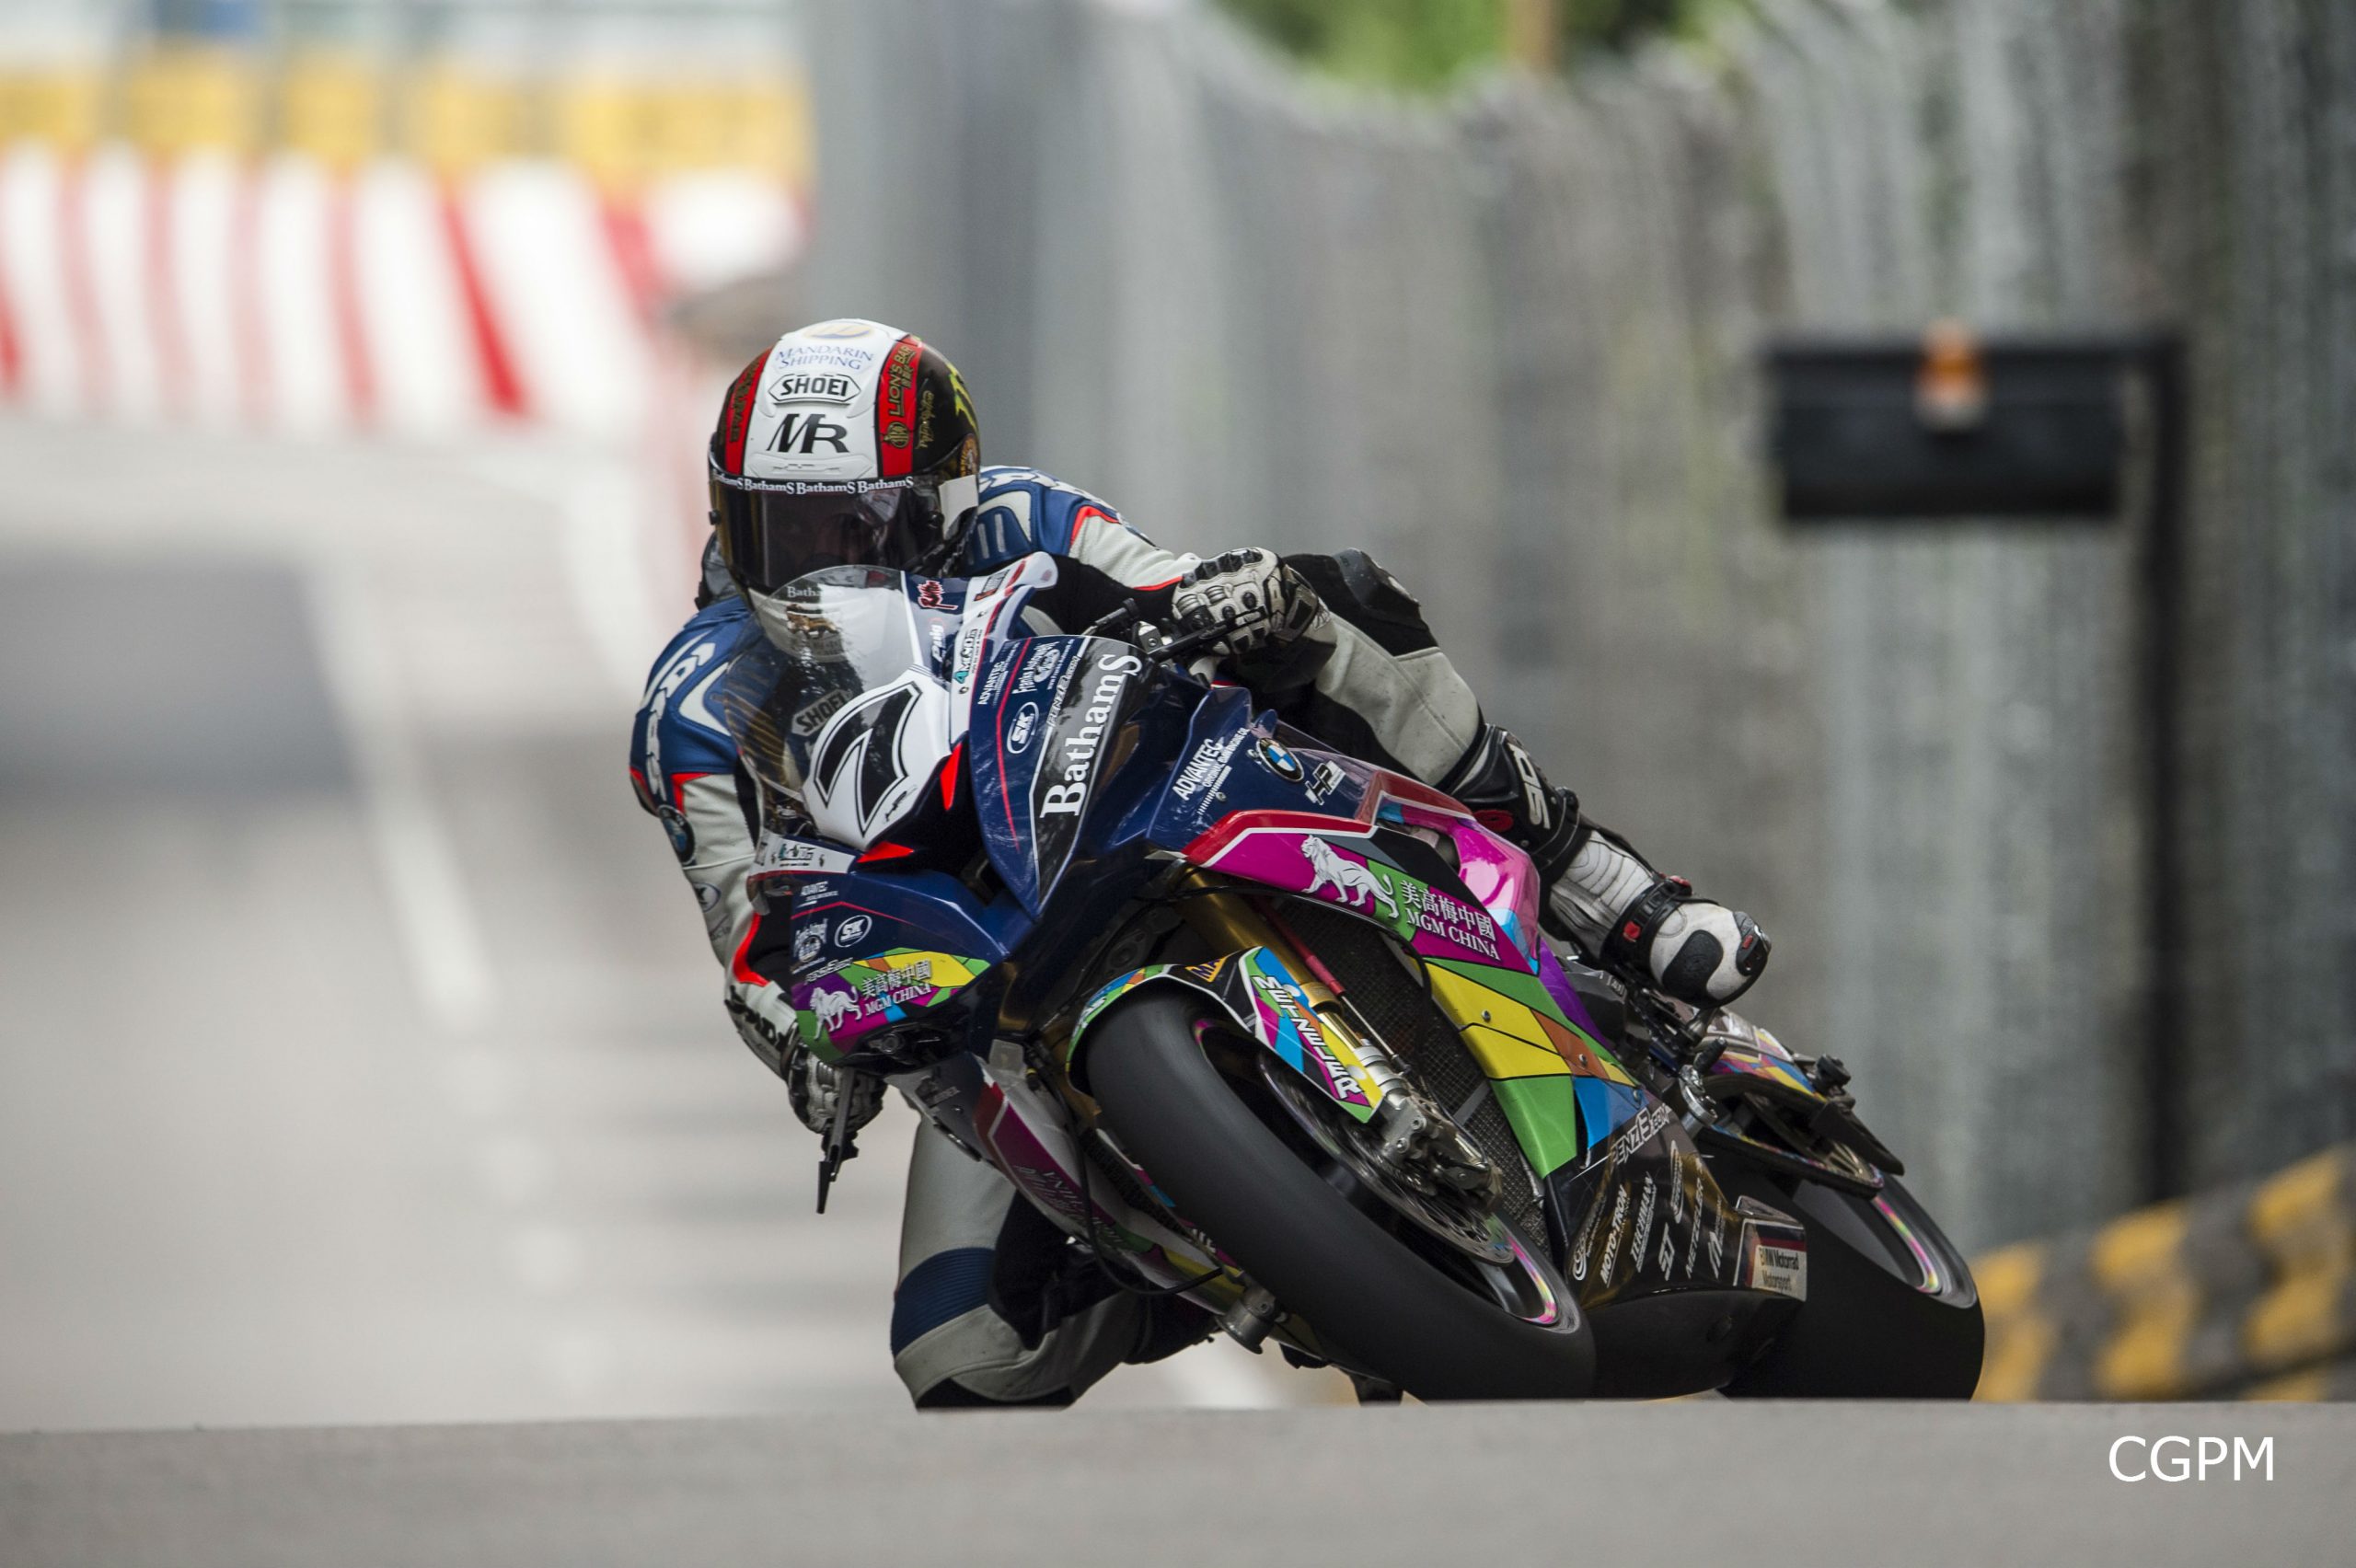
x: 950, y: 1394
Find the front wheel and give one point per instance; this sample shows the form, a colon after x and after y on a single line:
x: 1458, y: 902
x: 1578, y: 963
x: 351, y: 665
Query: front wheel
x: 1891, y: 1310
x: 1361, y: 1282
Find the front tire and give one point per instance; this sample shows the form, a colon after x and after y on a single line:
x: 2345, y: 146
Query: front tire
x: 1873, y: 1325
x: 1297, y: 1235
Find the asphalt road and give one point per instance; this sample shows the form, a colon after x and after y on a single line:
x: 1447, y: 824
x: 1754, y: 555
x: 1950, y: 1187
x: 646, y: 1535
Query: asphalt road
x: 361, y: 1058
x: 1698, y: 1481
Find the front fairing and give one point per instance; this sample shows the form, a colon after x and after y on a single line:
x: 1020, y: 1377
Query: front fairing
x: 1054, y: 720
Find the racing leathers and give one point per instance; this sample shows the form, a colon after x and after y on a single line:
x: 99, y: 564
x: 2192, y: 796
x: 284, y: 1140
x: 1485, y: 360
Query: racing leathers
x: 991, y: 1307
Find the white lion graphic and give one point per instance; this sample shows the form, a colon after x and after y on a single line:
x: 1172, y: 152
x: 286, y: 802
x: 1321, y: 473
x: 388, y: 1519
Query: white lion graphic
x: 1352, y: 882
x: 833, y: 1008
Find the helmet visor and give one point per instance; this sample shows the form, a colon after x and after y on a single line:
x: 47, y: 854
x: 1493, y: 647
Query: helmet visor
x: 769, y: 537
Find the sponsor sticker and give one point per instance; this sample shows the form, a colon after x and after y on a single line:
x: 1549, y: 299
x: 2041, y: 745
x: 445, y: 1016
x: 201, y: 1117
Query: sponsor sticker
x: 680, y: 831
x: 813, y: 719
x: 852, y: 928
x: 1353, y: 883
x: 1067, y: 777
x: 1639, y: 1244
x: 1312, y: 1033
x: 1612, y: 1238
x: 1779, y: 1268
x: 804, y: 356
x: 1208, y: 767
x: 1584, y: 1246
x: 793, y: 855
x: 1638, y: 1131
x: 1020, y: 728
x: 1429, y: 909
x: 814, y: 386
x: 1281, y: 762
x: 1039, y: 668
x: 995, y: 682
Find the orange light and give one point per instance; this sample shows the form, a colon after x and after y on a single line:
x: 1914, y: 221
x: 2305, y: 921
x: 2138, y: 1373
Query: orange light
x: 1951, y: 389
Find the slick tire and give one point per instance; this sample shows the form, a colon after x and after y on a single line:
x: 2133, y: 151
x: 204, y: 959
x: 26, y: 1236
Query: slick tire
x: 1869, y: 1330
x: 1362, y: 1290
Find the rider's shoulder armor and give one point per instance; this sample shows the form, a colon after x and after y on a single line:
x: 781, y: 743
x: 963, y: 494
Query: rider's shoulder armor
x: 677, y: 734
x: 1022, y: 510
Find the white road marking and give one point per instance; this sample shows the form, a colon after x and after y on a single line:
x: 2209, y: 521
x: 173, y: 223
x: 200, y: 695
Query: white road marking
x: 441, y: 933
x: 607, y: 549
x: 608, y: 568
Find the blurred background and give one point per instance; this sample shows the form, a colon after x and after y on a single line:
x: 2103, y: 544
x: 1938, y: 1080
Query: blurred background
x: 360, y: 1055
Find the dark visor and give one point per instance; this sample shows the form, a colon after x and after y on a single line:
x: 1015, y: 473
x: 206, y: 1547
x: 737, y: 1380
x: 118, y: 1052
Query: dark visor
x: 771, y: 537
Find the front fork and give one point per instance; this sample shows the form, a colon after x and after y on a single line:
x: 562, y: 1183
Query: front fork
x: 1415, y: 1130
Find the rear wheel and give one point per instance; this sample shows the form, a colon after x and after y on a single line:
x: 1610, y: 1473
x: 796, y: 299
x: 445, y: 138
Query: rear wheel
x: 1401, y: 1303
x: 1891, y: 1310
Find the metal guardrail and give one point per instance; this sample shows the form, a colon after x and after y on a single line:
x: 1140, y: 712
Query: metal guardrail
x: 2248, y: 1290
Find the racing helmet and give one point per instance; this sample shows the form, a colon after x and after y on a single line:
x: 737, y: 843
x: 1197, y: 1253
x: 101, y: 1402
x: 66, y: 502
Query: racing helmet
x: 847, y: 444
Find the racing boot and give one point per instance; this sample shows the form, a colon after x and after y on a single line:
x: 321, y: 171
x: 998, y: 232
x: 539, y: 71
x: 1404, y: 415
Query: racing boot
x: 1624, y: 916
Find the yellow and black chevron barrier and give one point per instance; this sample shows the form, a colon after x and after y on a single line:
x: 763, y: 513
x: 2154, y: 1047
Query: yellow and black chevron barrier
x: 2245, y: 1292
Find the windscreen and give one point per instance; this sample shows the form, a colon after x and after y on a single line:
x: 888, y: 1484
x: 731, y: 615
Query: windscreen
x: 840, y: 713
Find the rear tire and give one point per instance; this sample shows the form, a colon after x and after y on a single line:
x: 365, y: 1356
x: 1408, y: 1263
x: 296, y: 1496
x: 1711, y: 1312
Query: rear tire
x: 1297, y: 1235
x: 1867, y: 1328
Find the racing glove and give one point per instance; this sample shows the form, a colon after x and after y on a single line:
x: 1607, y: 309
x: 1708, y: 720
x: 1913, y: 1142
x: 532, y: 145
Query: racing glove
x: 815, y: 1088
x: 1261, y: 606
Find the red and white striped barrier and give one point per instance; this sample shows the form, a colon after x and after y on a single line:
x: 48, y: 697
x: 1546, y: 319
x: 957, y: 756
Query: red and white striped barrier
x: 277, y: 293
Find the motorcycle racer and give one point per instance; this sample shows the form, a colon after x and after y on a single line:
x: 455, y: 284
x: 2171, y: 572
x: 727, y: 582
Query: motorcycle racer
x: 849, y: 442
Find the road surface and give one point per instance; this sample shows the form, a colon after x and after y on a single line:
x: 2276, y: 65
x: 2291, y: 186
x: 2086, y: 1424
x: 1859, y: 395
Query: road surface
x: 1698, y: 1483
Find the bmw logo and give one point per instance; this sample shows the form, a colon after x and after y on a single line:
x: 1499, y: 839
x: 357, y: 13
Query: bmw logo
x: 682, y: 832
x: 1281, y: 761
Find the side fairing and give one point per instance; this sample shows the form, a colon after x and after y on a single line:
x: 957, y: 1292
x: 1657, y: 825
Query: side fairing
x: 1343, y: 832
x: 873, y: 950
x: 1234, y: 762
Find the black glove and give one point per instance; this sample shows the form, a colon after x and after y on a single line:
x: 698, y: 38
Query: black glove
x: 815, y: 1088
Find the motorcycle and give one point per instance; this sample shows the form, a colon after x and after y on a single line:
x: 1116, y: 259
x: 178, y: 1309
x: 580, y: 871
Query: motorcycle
x: 1269, y: 1026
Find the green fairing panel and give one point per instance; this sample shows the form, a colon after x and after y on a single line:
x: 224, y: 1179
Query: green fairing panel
x: 1544, y: 1113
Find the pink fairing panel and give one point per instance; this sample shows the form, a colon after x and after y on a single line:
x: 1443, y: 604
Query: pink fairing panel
x: 1330, y: 858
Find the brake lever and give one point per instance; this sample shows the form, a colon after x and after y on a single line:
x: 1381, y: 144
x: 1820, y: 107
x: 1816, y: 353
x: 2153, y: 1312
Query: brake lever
x: 1124, y: 614
x: 1168, y: 650
x: 1186, y: 647
x: 841, y: 1145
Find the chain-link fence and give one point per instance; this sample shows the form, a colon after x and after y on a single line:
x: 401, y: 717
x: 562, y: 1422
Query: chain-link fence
x: 1507, y: 343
